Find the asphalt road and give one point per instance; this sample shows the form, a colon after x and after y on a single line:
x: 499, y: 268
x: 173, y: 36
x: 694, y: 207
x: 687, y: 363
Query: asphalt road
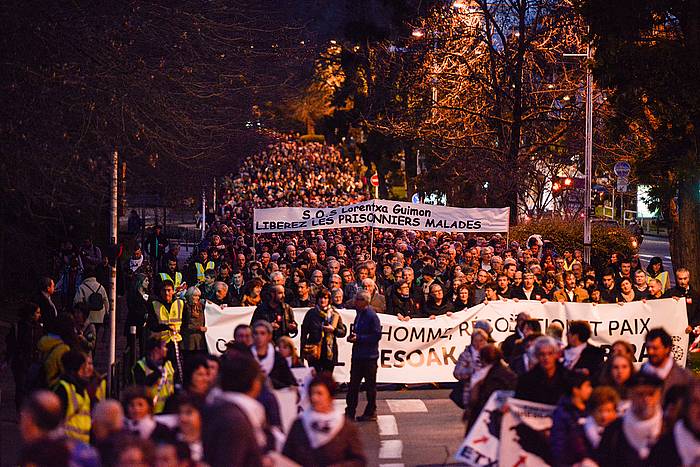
x: 414, y: 427
x: 657, y: 246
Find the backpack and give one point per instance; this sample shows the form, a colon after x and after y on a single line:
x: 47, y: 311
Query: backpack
x: 95, y: 301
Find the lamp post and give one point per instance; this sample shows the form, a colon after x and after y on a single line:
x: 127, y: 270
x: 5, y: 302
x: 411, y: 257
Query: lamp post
x: 588, y: 154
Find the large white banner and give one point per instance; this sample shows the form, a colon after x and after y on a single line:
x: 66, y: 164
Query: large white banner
x: 480, y: 447
x: 383, y: 214
x: 423, y: 350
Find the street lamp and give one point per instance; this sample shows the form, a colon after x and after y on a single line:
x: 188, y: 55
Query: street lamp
x: 588, y: 153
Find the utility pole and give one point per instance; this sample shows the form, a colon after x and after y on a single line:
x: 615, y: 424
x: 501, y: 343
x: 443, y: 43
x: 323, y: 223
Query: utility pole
x: 588, y: 154
x: 204, y: 212
x: 114, y: 227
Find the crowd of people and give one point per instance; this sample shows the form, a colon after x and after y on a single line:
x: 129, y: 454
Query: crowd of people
x: 222, y: 410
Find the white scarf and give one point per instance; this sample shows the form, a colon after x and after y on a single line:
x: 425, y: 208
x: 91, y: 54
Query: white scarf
x: 479, y: 375
x: 134, y: 264
x: 321, y: 428
x: 252, y: 409
x: 642, y: 434
x: 593, y: 431
x: 687, y: 444
x: 268, y: 361
x: 572, y: 355
x: 661, y: 371
x: 143, y: 428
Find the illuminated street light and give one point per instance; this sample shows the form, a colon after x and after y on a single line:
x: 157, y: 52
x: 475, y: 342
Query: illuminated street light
x: 418, y: 33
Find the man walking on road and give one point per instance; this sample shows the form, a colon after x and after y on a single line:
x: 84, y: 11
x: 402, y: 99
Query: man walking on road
x: 364, y: 336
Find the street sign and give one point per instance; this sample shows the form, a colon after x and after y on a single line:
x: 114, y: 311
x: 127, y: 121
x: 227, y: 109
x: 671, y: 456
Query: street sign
x: 374, y: 180
x: 622, y: 169
x: 622, y: 183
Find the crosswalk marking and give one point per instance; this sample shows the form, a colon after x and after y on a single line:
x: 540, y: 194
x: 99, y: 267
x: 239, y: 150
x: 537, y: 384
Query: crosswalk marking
x: 391, y: 449
x: 406, y: 405
x: 387, y: 425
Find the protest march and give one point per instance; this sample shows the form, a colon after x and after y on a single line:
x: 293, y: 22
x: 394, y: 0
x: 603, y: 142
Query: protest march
x: 304, y: 292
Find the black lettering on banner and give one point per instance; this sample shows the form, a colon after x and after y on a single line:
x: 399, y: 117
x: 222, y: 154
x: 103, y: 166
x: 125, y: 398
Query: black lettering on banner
x: 399, y: 357
x: 476, y: 458
x: 386, y: 333
x: 417, y: 334
x: 613, y: 326
x: 385, y: 356
x: 319, y: 213
x: 434, y: 333
x: 221, y: 345
x: 594, y: 325
x: 501, y: 324
x: 306, y: 214
x: 645, y: 325
x: 396, y: 334
x: 463, y: 328
x: 626, y: 327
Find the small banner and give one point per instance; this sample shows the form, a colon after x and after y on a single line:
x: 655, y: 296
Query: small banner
x: 525, y: 434
x: 426, y: 350
x: 480, y: 447
x: 383, y: 214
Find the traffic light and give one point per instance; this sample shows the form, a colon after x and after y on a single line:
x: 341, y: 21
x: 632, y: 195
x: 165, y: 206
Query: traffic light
x: 561, y: 184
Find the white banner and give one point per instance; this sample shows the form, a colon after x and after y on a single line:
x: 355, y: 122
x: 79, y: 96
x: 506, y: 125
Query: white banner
x: 423, y: 350
x: 480, y: 447
x: 525, y: 434
x: 383, y: 214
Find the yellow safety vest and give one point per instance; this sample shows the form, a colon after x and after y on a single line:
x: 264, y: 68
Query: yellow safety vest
x: 166, y: 277
x: 570, y: 267
x: 200, y: 269
x: 663, y: 277
x: 78, y: 422
x: 169, y: 318
x: 101, y: 392
x: 164, y: 388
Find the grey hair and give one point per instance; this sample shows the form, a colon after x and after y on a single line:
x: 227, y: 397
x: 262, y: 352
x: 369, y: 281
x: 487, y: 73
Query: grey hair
x: 363, y: 294
x: 192, y: 291
x: 275, y: 275
x: 543, y: 342
x: 262, y: 323
x: 219, y: 285
x: 368, y: 280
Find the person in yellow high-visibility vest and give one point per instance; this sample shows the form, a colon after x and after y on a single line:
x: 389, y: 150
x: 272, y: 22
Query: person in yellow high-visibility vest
x: 655, y: 269
x: 72, y: 390
x: 155, y: 373
x: 165, y: 320
x: 199, y: 267
x: 173, y: 275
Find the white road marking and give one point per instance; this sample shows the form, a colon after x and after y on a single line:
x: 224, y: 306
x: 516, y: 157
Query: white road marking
x: 406, y: 405
x: 387, y: 425
x: 391, y: 449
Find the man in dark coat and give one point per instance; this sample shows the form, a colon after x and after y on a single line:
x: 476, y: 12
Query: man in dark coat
x: 233, y: 425
x: 546, y: 382
x: 508, y: 345
x: 529, y: 290
x: 276, y: 312
x: 49, y: 312
x: 691, y: 296
x: 365, y: 335
x: 579, y: 355
x: 661, y: 364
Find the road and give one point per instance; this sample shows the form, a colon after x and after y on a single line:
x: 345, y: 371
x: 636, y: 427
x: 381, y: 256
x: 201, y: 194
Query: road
x: 657, y: 246
x: 416, y: 427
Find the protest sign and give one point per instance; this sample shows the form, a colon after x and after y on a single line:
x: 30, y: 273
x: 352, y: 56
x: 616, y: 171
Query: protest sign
x: 383, y: 214
x: 525, y: 434
x: 423, y: 350
x: 480, y: 447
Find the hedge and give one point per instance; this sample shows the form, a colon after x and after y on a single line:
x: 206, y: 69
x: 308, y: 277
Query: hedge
x: 569, y: 234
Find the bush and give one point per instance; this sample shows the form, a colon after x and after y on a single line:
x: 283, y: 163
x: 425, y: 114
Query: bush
x: 569, y: 234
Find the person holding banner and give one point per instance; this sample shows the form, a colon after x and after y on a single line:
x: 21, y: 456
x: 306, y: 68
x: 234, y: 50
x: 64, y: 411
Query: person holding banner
x: 165, y: 321
x: 365, y: 335
x: 276, y: 312
x: 321, y: 328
